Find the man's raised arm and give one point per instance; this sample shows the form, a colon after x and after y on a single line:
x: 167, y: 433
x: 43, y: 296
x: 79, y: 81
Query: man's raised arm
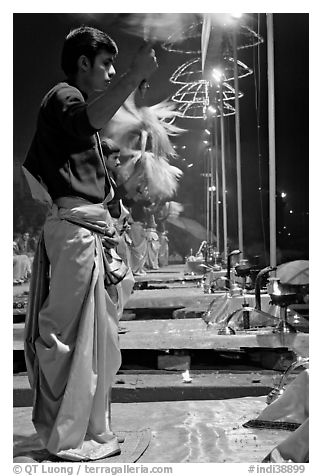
x: 101, y: 109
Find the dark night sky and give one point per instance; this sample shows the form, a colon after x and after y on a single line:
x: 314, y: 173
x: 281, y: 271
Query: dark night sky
x: 37, y: 45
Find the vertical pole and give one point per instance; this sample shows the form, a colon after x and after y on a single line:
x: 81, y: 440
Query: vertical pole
x: 215, y: 132
x: 211, y: 159
x: 223, y: 172
x: 271, y: 139
x: 238, y: 153
x: 207, y: 197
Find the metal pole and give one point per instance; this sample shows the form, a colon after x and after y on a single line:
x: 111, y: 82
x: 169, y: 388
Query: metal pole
x: 223, y: 172
x: 207, y: 197
x: 215, y: 132
x: 271, y: 139
x: 210, y: 153
x: 238, y: 153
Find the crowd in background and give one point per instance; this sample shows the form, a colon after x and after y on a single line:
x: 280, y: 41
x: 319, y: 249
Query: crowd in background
x: 148, y: 249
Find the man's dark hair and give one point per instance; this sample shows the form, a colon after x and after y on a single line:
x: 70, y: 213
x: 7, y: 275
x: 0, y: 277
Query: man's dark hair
x: 109, y: 147
x: 87, y: 41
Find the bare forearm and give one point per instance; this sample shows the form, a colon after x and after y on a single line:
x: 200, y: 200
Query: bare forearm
x: 101, y: 109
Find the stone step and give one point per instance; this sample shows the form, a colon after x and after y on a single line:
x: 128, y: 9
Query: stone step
x: 161, y: 386
x: 191, y: 431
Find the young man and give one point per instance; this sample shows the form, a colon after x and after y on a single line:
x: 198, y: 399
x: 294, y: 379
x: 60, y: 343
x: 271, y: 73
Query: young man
x: 71, y: 342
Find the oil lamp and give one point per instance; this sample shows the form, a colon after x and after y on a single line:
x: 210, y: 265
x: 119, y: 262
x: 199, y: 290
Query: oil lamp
x: 281, y: 298
x: 229, y: 267
x: 242, y: 270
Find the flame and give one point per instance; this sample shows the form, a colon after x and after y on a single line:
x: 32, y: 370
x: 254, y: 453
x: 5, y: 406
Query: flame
x: 276, y: 289
x: 186, y: 376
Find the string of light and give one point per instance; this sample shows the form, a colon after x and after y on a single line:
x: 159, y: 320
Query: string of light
x: 178, y: 42
x: 191, y: 71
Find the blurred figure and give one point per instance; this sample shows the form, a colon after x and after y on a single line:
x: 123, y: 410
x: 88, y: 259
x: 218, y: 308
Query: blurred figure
x: 164, y: 249
x: 153, y: 244
x: 138, y: 248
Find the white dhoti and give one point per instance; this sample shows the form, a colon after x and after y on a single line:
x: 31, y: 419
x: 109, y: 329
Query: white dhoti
x: 123, y: 248
x: 153, y: 247
x: 138, y: 247
x: 121, y: 225
x: 71, y: 337
x: 163, y: 251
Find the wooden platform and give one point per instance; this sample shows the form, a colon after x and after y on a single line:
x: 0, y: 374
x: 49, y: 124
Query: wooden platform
x: 191, y: 334
x: 170, y: 288
x: 178, y: 297
x: 169, y: 274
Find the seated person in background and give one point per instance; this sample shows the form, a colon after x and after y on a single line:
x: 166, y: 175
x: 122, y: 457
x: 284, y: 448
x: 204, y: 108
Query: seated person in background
x: 16, y: 250
x: 21, y: 263
x: 33, y: 239
x: 25, y: 244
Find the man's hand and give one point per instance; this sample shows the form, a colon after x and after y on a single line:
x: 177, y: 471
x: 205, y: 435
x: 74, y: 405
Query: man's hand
x: 103, y: 107
x: 110, y: 242
x: 145, y: 62
x: 137, y: 181
x: 111, y: 239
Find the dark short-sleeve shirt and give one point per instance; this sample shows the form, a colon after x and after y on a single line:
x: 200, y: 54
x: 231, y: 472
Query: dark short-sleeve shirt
x: 64, y: 152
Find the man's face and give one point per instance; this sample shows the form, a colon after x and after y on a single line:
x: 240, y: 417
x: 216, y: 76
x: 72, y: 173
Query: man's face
x: 101, y: 73
x: 113, y: 161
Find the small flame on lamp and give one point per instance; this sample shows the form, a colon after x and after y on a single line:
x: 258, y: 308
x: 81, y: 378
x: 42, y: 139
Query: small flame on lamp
x: 186, y: 377
x: 276, y: 289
